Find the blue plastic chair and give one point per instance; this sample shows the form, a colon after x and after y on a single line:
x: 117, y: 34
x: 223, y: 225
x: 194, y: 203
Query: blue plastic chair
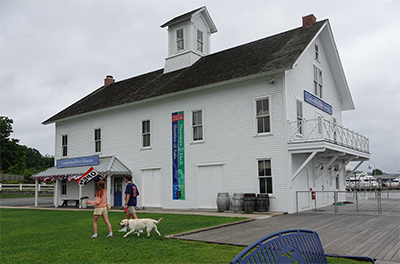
x: 288, y: 246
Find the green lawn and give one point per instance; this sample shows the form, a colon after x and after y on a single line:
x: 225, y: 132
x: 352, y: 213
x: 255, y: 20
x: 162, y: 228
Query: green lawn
x: 61, y: 236
x: 49, y: 236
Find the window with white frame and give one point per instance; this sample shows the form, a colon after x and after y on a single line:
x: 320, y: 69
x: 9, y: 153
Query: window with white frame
x: 317, y: 81
x: 299, y: 113
x: 316, y: 52
x: 265, y: 176
x: 146, y: 133
x: 97, y: 140
x: 64, y: 145
x: 64, y: 187
x: 179, y: 40
x: 197, y: 125
x: 263, y: 118
x: 200, y: 40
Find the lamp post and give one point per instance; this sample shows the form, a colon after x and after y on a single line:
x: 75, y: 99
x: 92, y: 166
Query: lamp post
x: 369, y: 167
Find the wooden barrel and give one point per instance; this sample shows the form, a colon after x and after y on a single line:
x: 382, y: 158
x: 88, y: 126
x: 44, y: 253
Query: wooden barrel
x: 262, y: 202
x: 249, y: 204
x: 223, y: 201
x: 237, y: 202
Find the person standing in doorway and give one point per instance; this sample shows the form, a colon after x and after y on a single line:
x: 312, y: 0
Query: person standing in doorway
x: 100, y: 208
x: 131, y: 192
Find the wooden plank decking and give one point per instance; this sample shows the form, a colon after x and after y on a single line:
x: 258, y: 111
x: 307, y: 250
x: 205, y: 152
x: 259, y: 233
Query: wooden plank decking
x: 364, y: 233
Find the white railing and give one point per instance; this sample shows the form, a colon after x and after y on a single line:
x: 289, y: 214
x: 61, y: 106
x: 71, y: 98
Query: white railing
x: 311, y: 130
x: 25, y: 187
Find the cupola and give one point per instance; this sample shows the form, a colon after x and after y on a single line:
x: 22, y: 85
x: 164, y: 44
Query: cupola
x: 188, y: 38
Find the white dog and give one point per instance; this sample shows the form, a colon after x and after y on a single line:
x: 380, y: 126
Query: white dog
x: 139, y: 224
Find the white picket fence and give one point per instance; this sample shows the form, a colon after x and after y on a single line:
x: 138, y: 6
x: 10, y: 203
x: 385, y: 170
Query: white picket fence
x: 25, y: 187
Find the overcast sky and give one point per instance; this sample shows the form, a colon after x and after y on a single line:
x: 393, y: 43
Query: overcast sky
x: 55, y: 52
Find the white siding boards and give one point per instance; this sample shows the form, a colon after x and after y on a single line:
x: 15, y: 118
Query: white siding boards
x: 240, y: 112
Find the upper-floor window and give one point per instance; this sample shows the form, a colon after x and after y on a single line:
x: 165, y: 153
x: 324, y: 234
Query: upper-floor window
x: 200, y: 40
x: 146, y: 133
x: 97, y: 140
x: 317, y: 81
x: 265, y: 176
x: 64, y: 145
x: 316, y: 52
x: 197, y: 125
x: 263, y: 118
x: 299, y: 113
x: 179, y: 39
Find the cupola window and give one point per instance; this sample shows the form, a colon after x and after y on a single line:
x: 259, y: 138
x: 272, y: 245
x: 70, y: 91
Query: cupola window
x: 179, y: 40
x: 200, y: 40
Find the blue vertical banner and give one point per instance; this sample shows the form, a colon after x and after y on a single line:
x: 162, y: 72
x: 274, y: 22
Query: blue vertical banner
x: 178, y: 156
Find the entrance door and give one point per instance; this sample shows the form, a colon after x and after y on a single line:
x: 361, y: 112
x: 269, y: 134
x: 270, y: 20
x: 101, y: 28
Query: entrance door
x: 117, y: 191
x: 151, y: 188
x: 323, y: 185
x: 210, y: 181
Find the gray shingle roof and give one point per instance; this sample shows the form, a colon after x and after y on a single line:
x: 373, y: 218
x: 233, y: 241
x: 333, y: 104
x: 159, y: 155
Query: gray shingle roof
x: 278, y: 52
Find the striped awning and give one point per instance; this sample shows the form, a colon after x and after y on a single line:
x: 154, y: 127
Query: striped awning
x: 107, y: 165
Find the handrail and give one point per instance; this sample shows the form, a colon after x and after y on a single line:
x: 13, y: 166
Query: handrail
x: 311, y: 130
x: 378, y: 197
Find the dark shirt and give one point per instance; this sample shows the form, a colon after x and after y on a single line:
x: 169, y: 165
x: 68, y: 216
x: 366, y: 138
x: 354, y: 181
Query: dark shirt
x: 133, y: 191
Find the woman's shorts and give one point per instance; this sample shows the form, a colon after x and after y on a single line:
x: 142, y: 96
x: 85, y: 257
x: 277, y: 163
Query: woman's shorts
x: 131, y: 210
x: 100, y: 210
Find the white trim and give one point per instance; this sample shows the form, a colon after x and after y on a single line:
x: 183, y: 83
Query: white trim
x: 202, y: 125
x: 94, y: 140
x: 258, y: 176
x: 150, y: 134
x: 255, y: 100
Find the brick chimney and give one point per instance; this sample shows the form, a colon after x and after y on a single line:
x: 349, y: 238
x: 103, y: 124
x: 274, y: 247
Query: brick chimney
x: 108, y: 80
x: 309, y: 20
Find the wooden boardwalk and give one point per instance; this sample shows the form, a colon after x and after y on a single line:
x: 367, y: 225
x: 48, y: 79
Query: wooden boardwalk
x: 365, y: 233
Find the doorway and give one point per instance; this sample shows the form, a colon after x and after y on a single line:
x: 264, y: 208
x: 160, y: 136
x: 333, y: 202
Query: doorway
x: 151, y: 187
x: 210, y: 181
x: 117, y: 191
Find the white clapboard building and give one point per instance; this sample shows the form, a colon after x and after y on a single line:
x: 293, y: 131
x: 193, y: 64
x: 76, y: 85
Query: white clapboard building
x: 263, y: 117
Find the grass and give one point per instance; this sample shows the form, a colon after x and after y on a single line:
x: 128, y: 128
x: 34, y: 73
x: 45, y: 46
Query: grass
x: 61, y: 236
x: 49, y: 236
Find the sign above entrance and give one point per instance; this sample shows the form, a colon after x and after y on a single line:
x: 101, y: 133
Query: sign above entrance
x: 318, y: 103
x: 81, y: 161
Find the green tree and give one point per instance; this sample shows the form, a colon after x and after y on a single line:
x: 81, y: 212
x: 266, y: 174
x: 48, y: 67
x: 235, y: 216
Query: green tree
x: 17, y: 159
x: 377, y: 172
x: 11, y: 152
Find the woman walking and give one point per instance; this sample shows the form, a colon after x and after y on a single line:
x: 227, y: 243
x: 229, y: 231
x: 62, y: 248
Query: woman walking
x: 100, y: 208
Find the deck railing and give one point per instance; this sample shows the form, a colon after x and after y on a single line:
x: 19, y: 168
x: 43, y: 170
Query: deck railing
x: 311, y: 130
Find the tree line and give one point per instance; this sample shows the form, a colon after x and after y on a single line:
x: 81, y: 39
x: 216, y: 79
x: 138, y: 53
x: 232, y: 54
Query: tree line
x: 19, y: 159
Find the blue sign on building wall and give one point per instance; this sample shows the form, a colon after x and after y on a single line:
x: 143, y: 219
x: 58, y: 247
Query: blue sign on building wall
x: 81, y: 161
x: 315, y: 101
